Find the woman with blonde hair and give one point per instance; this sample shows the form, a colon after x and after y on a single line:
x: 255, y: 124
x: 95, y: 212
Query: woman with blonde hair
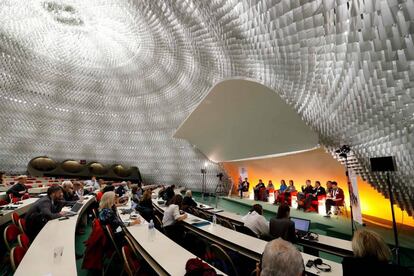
x: 372, y: 256
x: 108, y: 216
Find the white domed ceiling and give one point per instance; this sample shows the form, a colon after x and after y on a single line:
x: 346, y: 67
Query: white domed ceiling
x: 112, y: 80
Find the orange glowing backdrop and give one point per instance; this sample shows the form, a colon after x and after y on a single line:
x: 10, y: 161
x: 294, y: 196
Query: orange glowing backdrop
x: 315, y: 165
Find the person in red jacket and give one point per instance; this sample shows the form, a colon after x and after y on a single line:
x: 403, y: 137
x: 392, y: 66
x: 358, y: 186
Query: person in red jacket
x: 334, y: 198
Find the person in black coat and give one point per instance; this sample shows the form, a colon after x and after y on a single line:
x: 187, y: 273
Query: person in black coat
x: 188, y: 201
x: 46, y: 208
x: 317, y: 191
x: 281, y: 226
x: 371, y: 257
x: 18, y: 189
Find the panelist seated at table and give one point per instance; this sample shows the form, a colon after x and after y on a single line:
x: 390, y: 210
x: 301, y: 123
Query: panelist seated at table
x: 46, y: 208
x: 171, y: 218
x: 281, y: 258
x: 108, y: 216
x: 281, y: 226
x: 255, y: 221
x: 335, y: 198
x: 372, y: 256
x: 19, y: 189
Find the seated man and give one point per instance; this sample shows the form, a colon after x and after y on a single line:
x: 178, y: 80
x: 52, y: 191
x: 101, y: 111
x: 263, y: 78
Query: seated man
x: 306, y: 190
x: 335, y: 198
x: 68, y: 193
x: 46, y: 208
x: 317, y: 191
x: 255, y: 221
x: 281, y: 226
x: 92, y: 184
x: 19, y: 189
x: 243, y: 187
x: 281, y: 258
x: 257, y: 189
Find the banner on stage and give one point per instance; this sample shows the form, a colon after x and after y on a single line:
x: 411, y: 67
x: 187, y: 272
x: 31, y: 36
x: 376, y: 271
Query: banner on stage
x: 354, y: 197
x: 242, y: 172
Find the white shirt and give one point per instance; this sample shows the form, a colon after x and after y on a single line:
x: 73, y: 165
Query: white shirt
x: 257, y: 223
x: 171, y: 214
x: 92, y: 183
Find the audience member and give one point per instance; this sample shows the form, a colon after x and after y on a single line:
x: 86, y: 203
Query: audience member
x: 46, y: 208
x: 255, y: 221
x: 335, y: 198
x: 108, y: 215
x: 101, y: 183
x: 243, y: 187
x: 78, y: 189
x: 281, y: 226
x: 68, y: 193
x: 169, y: 193
x: 92, y: 184
x: 371, y: 257
x: 188, y: 200
x: 145, y: 207
x: 281, y: 258
x: 121, y: 190
x: 18, y: 189
x: 172, y: 216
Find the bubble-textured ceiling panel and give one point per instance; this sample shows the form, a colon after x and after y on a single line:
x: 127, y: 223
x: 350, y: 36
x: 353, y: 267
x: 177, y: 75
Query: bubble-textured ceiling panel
x: 111, y: 80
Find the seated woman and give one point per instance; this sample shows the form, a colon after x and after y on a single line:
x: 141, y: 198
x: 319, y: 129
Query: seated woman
x: 172, y: 216
x: 108, y: 216
x: 281, y: 226
x: 145, y: 207
x: 371, y: 256
x: 285, y: 195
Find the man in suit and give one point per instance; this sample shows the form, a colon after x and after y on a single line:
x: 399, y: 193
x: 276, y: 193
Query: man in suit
x: 244, y: 187
x: 46, y: 208
x: 335, y: 198
x: 18, y: 189
x: 281, y: 226
x: 317, y: 191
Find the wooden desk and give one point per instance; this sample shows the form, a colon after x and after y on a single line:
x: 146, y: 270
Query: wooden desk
x: 56, y: 236
x: 246, y: 245
x: 20, y: 210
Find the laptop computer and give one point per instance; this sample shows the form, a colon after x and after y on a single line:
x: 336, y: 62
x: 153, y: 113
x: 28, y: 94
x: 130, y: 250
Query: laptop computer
x: 301, y: 225
x: 75, y: 208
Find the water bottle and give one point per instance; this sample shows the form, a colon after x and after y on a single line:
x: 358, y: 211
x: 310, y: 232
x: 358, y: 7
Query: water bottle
x: 214, y: 219
x: 151, y: 231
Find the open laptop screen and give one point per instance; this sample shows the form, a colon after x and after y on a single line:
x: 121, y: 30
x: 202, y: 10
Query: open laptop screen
x: 301, y: 224
x: 76, y: 207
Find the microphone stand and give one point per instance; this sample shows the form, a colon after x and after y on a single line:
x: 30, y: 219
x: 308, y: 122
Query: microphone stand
x: 394, y: 223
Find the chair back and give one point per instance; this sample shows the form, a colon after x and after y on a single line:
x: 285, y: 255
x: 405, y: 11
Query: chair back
x: 95, y: 213
x: 10, y: 235
x: 16, y: 256
x: 24, y: 241
x: 15, y: 218
x: 132, y: 246
x: 220, y: 254
x: 110, y: 234
x: 245, y: 230
x: 22, y: 225
x: 158, y: 224
x: 226, y: 223
x: 132, y: 265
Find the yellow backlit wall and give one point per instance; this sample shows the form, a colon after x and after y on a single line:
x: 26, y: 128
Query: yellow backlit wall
x: 315, y: 165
